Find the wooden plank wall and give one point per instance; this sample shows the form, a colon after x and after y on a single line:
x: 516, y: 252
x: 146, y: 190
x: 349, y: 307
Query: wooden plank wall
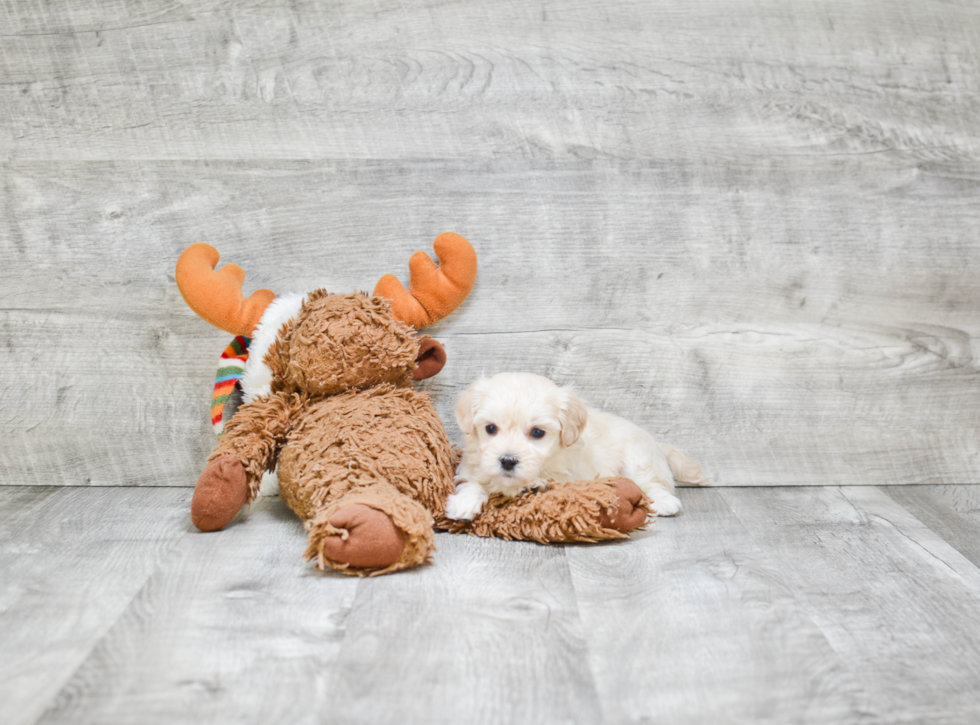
x: 752, y: 227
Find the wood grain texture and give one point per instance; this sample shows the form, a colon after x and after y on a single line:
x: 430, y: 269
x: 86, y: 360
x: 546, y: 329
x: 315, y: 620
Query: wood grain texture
x: 778, y: 605
x: 689, y: 622
x: 774, y: 362
x: 72, y: 560
x: 490, y: 633
x: 436, y: 79
x: 235, y: 627
x: 952, y: 512
x: 894, y: 600
x: 752, y: 229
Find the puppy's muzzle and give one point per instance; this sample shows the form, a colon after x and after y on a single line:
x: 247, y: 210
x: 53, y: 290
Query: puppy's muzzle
x: 508, y: 463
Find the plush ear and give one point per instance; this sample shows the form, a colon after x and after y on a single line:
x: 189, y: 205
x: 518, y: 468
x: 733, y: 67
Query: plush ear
x: 466, y: 406
x: 431, y: 358
x: 572, y: 416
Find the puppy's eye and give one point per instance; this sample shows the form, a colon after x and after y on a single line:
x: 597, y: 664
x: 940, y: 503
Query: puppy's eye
x: 537, y: 433
x: 491, y: 429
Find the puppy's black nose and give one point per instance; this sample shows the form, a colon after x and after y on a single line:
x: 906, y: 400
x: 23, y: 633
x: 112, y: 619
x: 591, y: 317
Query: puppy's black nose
x: 508, y: 462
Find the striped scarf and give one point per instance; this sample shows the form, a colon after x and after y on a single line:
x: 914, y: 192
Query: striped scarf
x: 230, y: 370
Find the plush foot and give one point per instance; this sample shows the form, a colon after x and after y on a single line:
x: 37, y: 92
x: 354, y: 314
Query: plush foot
x: 220, y: 493
x: 630, y: 512
x: 369, y: 540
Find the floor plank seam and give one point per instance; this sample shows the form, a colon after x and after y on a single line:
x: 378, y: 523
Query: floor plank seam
x: 587, y: 642
x: 801, y: 600
x: 110, y: 627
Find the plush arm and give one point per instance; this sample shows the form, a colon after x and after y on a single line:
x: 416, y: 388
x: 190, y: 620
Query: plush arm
x: 248, y: 447
x: 256, y: 433
x: 586, y: 511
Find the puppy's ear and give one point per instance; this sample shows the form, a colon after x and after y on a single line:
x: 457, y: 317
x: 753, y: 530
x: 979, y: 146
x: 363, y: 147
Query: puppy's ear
x: 467, y: 404
x: 572, y: 416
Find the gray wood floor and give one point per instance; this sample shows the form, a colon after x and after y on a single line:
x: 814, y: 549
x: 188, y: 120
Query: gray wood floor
x: 750, y: 226
x: 779, y: 605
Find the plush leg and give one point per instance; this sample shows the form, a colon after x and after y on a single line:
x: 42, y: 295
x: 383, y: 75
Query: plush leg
x: 369, y: 531
x: 587, y: 511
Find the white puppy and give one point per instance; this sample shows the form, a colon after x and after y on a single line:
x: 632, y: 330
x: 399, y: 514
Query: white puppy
x: 521, y: 429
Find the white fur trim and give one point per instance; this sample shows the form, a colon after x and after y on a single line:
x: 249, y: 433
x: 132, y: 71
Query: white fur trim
x: 257, y: 378
x: 270, y: 484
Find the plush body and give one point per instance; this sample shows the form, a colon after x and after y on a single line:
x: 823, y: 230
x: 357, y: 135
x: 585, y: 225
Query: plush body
x: 362, y: 456
x: 382, y: 447
x: 523, y: 432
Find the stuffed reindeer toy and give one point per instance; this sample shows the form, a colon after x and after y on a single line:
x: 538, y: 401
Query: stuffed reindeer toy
x: 362, y: 456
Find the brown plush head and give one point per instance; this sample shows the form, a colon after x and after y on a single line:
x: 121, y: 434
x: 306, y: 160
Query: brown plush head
x: 339, y: 342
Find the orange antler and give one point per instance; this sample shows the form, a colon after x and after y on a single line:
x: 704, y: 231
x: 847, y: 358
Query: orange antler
x: 434, y: 291
x: 217, y: 296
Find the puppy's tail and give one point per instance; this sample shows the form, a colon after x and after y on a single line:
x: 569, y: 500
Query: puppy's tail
x: 684, y: 469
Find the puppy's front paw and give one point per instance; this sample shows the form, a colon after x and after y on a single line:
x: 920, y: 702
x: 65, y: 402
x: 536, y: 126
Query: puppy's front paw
x: 539, y: 484
x: 467, y: 503
x: 663, y: 503
x: 458, y: 508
